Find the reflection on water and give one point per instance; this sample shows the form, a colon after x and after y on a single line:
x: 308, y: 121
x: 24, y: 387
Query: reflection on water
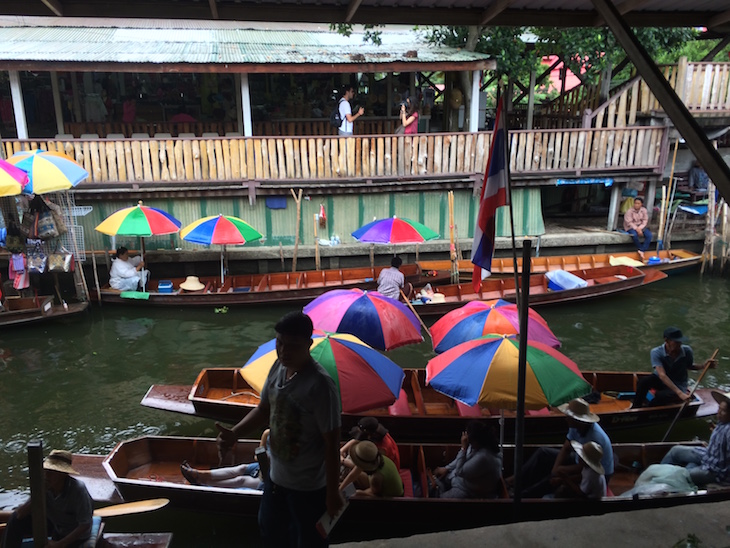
x: 78, y: 385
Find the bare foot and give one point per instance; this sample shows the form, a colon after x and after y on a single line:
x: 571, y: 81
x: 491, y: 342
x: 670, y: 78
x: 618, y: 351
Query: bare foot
x: 641, y: 254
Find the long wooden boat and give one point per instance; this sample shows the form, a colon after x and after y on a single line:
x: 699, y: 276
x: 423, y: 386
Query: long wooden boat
x: 280, y: 287
x: 426, y: 415
x: 601, y: 282
x: 149, y: 467
x: 670, y: 261
x: 31, y: 310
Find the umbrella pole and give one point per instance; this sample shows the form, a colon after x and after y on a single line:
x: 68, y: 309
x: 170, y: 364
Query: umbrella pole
x: 298, y: 200
x: 223, y: 250
x: 144, y: 277
x: 522, y: 373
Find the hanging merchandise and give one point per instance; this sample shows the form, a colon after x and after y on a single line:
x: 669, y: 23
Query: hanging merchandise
x: 37, y: 261
x: 322, y: 217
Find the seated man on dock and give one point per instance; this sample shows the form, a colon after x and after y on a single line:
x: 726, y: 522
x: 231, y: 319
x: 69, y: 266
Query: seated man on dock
x: 391, y: 281
x: 670, y: 361
x: 128, y: 274
x: 709, y: 464
x: 635, y: 221
x: 68, y: 507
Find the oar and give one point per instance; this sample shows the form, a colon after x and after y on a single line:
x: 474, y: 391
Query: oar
x: 408, y: 302
x: 699, y: 379
x: 131, y: 508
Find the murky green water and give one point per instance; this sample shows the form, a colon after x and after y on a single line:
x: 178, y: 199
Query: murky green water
x: 78, y: 385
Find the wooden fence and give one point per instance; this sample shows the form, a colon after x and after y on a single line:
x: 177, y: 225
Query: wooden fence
x: 321, y: 158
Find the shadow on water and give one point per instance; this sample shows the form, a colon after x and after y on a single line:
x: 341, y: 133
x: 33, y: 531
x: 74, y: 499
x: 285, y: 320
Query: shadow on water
x: 78, y: 385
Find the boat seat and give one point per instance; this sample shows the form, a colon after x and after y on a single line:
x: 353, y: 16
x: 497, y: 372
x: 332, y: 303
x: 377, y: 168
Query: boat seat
x: 468, y: 410
x: 537, y: 412
x: 405, y: 476
x: 400, y: 407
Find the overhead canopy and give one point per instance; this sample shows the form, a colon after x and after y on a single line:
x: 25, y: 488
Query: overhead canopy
x: 714, y: 14
x: 38, y: 43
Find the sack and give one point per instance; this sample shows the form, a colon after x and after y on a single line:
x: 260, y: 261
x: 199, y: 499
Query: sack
x: 400, y: 130
x: 58, y: 218
x: 60, y: 262
x: 37, y: 262
x: 335, y: 119
x: 46, y: 226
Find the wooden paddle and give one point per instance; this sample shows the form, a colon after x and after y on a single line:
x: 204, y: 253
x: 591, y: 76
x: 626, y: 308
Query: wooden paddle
x: 692, y: 393
x: 408, y: 302
x: 128, y: 508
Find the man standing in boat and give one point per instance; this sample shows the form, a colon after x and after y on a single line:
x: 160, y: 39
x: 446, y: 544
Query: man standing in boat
x: 635, y: 221
x: 670, y: 361
x: 300, y: 403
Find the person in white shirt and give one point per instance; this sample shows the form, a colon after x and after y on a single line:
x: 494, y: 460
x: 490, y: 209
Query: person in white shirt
x: 127, y: 274
x: 346, y: 115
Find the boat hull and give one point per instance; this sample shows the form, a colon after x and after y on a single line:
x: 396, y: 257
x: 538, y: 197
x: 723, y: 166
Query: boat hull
x: 46, y: 311
x: 222, y: 394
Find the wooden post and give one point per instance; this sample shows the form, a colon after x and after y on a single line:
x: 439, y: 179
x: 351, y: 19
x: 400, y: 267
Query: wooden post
x: 37, y: 492
x: 298, y: 200
x: 372, y: 255
x: 96, y: 275
x: 316, y: 244
x: 57, y: 102
x: 281, y: 255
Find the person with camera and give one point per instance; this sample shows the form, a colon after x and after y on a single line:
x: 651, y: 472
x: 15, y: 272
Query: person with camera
x: 409, y: 116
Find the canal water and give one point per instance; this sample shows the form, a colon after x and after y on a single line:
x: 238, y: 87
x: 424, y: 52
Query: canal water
x: 78, y: 385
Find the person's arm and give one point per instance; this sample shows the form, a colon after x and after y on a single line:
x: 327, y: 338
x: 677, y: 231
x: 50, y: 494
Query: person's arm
x: 662, y: 374
x: 23, y: 510
x: 332, y: 470
x: 345, y: 449
x: 351, y: 477
x: 353, y: 117
x: 629, y: 220
x: 562, y: 456
x: 643, y: 219
x: 81, y: 532
x: 227, y: 437
x: 406, y: 121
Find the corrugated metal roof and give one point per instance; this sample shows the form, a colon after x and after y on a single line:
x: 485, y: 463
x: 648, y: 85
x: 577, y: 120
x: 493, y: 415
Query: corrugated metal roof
x: 216, y: 46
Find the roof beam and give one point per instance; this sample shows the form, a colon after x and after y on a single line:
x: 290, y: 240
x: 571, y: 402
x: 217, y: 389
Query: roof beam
x: 493, y: 11
x: 213, y: 9
x: 719, y: 19
x: 55, y: 6
x: 717, y: 49
x: 685, y: 123
x: 623, y: 9
x: 351, y: 10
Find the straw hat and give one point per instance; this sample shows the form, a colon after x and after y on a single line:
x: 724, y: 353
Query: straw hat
x: 59, y: 461
x: 721, y: 397
x: 579, y: 410
x: 591, y: 453
x: 366, y: 456
x: 192, y: 283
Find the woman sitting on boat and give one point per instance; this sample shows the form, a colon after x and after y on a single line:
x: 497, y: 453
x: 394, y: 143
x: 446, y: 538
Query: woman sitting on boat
x: 127, y: 274
x: 476, y: 472
x: 384, y: 478
x: 369, y: 428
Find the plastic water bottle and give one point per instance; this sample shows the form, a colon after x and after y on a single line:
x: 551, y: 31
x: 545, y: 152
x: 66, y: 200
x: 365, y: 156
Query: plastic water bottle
x: 337, y: 239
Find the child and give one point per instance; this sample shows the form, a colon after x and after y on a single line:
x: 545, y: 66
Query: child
x: 592, y: 477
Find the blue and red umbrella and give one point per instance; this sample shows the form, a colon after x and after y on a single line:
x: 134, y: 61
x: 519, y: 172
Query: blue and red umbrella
x: 380, y: 321
x: 484, y: 371
x: 478, y: 318
x: 365, y: 378
x: 394, y: 230
x: 139, y: 220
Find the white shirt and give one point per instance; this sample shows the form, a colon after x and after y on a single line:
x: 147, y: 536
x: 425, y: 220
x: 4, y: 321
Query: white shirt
x: 345, y: 109
x: 122, y: 270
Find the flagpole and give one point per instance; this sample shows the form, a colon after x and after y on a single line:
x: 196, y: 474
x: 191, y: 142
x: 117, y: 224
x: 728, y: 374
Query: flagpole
x: 511, y: 207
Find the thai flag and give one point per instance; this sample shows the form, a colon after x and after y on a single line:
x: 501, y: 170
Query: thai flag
x: 494, y: 194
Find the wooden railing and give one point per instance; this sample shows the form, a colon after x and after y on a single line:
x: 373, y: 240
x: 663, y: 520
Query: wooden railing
x: 387, y: 156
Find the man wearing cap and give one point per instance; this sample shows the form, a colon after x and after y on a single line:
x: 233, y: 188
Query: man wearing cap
x: 709, y: 464
x: 670, y: 361
x: 546, y: 465
x: 68, y: 507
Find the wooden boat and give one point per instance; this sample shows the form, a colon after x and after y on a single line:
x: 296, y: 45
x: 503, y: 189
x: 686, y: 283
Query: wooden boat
x: 149, y: 467
x: 27, y: 310
x: 670, y: 261
x: 426, y: 415
x: 602, y: 281
x: 280, y: 287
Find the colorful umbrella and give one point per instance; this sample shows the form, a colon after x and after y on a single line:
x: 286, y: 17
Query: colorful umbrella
x: 484, y: 371
x: 139, y: 220
x: 380, y: 321
x: 12, y: 179
x: 478, y: 318
x: 222, y: 230
x: 365, y: 378
x: 394, y: 231
x: 48, y: 171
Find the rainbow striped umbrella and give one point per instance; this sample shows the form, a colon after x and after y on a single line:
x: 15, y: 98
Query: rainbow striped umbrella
x: 394, y: 231
x: 365, y: 378
x: 139, y: 220
x: 222, y: 230
x: 380, y: 321
x: 48, y: 171
x: 484, y: 371
x: 477, y: 318
x: 12, y: 179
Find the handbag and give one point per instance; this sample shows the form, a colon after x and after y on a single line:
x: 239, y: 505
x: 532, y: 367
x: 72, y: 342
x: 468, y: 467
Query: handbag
x: 58, y: 218
x: 29, y: 225
x: 60, y: 262
x: 400, y: 130
x: 37, y: 261
x: 46, y: 226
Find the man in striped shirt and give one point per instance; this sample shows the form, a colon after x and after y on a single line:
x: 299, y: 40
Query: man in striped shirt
x: 391, y: 280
